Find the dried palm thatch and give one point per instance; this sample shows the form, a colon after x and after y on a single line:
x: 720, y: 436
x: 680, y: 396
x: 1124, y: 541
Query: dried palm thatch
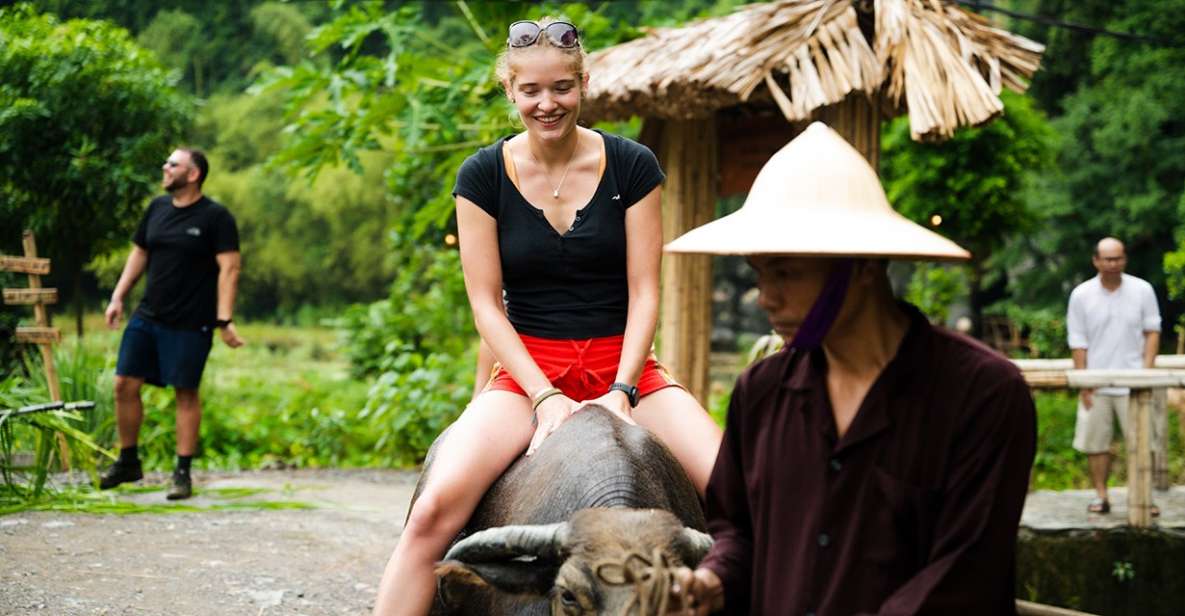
x: 944, y: 65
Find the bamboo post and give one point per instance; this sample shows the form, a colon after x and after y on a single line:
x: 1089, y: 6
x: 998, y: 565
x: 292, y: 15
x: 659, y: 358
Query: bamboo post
x: 1028, y: 608
x: 688, y: 151
x: 858, y: 120
x: 1145, y: 384
x: 1160, y: 434
x: 1139, y: 458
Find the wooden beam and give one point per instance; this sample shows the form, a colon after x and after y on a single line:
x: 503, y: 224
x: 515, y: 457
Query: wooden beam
x: 687, y: 151
x: 1028, y: 608
x: 1080, y: 379
x: 24, y: 265
x: 38, y: 335
x: 1065, y: 363
x: 30, y: 296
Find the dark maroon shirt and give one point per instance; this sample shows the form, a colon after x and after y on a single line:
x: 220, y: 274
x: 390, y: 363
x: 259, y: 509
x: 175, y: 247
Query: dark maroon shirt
x: 914, y: 511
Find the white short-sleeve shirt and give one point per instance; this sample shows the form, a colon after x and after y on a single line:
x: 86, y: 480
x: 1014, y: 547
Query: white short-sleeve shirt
x: 1110, y: 325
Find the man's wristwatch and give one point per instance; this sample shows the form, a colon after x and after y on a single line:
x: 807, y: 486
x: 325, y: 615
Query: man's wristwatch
x: 630, y: 391
x: 219, y: 323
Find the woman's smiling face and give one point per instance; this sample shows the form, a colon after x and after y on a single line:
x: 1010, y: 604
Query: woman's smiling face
x: 546, y: 91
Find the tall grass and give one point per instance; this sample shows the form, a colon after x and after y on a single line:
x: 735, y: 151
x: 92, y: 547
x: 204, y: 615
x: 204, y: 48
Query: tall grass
x: 33, y: 445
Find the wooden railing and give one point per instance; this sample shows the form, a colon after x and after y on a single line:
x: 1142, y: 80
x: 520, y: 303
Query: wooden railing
x: 1028, y: 608
x: 1169, y: 372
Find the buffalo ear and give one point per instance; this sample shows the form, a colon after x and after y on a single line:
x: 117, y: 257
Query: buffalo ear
x: 519, y: 577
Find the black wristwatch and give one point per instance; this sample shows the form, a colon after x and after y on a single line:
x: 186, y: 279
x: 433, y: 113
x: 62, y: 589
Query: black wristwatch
x: 630, y: 391
x: 220, y: 323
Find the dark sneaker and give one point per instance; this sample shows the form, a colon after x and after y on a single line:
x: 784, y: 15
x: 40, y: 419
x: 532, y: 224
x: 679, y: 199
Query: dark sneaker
x: 182, y: 486
x: 120, y: 473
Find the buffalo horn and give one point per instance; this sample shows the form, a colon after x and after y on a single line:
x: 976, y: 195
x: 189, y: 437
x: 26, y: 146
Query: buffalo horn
x: 544, y: 541
x: 696, y: 545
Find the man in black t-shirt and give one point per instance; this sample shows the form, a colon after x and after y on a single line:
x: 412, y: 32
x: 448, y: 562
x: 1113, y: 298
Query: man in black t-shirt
x: 189, y: 246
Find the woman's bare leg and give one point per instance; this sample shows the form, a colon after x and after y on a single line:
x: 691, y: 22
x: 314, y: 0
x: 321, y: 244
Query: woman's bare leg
x: 492, y: 432
x: 678, y: 420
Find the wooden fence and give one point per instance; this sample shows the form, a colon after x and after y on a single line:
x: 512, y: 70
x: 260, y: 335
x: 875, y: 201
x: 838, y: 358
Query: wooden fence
x: 1169, y: 372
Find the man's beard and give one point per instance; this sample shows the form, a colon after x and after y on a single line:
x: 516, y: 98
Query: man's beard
x: 176, y: 184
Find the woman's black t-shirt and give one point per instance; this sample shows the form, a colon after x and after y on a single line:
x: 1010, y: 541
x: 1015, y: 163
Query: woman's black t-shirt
x: 570, y: 286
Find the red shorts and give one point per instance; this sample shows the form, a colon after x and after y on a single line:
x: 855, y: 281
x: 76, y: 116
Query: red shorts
x: 582, y: 369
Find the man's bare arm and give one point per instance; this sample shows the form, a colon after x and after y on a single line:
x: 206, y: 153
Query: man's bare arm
x: 132, y: 269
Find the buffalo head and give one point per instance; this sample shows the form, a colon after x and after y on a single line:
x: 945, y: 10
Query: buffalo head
x: 601, y: 561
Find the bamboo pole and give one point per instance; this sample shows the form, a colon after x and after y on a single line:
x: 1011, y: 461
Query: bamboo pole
x: 1139, y: 458
x: 1160, y: 436
x: 1028, y: 608
x: 1147, y: 392
x: 688, y: 151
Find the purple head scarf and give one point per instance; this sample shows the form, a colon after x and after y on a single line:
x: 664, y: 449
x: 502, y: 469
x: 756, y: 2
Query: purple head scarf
x: 825, y: 309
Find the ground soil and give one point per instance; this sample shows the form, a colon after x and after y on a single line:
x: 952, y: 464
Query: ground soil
x: 241, y: 553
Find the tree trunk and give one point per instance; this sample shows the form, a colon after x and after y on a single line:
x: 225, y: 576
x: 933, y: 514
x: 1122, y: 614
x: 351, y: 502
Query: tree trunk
x: 77, y: 274
x: 975, y: 297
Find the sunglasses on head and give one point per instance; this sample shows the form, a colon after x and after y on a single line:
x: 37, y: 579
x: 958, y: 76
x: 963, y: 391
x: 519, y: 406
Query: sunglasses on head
x: 526, y: 33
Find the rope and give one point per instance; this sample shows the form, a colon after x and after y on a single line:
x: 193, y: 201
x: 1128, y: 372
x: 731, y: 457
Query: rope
x: 651, y: 577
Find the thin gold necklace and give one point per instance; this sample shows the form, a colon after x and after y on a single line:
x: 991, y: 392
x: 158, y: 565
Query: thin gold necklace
x: 555, y: 193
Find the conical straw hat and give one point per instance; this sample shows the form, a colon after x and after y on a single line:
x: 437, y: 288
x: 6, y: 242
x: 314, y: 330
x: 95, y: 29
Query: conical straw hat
x: 818, y: 197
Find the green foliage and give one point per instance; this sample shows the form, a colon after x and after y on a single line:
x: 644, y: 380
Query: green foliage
x: 286, y: 28
x: 40, y: 434
x: 1123, y: 571
x: 214, y: 46
x: 86, y: 117
x: 974, y: 180
x: 303, y: 245
x: 422, y: 354
x: 1065, y: 65
x: 934, y: 288
x: 176, y: 38
x: 972, y: 187
x: 1121, y: 154
x: 1174, y: 261
x: 1043, y: 328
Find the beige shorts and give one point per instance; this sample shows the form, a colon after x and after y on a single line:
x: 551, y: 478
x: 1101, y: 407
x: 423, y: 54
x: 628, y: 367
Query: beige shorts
x: 1094, y: 428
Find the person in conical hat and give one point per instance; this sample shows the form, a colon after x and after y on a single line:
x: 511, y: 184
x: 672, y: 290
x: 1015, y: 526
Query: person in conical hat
x: 877, y: 464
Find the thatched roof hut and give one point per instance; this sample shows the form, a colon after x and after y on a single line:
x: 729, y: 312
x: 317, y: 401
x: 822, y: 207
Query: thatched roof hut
x: 721, y: 95
x: 942, y: 64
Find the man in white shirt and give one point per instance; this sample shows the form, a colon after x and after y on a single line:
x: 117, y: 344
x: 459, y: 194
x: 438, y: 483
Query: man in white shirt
x: 1113, y: 322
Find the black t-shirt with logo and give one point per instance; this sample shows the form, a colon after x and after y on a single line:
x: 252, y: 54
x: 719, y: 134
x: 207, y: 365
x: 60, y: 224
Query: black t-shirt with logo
x: 182, y: 242
x: 569, y: 286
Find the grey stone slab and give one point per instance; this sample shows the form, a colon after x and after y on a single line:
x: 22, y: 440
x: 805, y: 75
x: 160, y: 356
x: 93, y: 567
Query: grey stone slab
x: 1047, y: 510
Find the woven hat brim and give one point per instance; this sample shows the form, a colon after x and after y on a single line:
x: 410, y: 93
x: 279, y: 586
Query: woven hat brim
x: 822, y: 232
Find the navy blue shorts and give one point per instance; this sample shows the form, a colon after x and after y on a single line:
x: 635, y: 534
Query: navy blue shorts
x: 162, y: 355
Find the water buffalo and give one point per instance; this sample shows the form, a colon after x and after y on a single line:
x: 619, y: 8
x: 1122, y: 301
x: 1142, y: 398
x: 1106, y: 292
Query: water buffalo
x: 589, y: 524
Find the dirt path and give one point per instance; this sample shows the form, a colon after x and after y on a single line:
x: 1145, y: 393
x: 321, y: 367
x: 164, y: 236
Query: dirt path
x: 247, y: 551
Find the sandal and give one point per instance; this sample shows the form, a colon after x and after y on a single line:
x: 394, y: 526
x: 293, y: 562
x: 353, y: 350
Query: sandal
x: 1099, y: 505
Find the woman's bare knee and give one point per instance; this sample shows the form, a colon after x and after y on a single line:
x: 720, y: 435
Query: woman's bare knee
x: 433, y: 517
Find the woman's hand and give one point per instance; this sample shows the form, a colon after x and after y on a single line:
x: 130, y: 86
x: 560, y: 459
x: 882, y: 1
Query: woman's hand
x: 617, y: 402
x: 548, y: 416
